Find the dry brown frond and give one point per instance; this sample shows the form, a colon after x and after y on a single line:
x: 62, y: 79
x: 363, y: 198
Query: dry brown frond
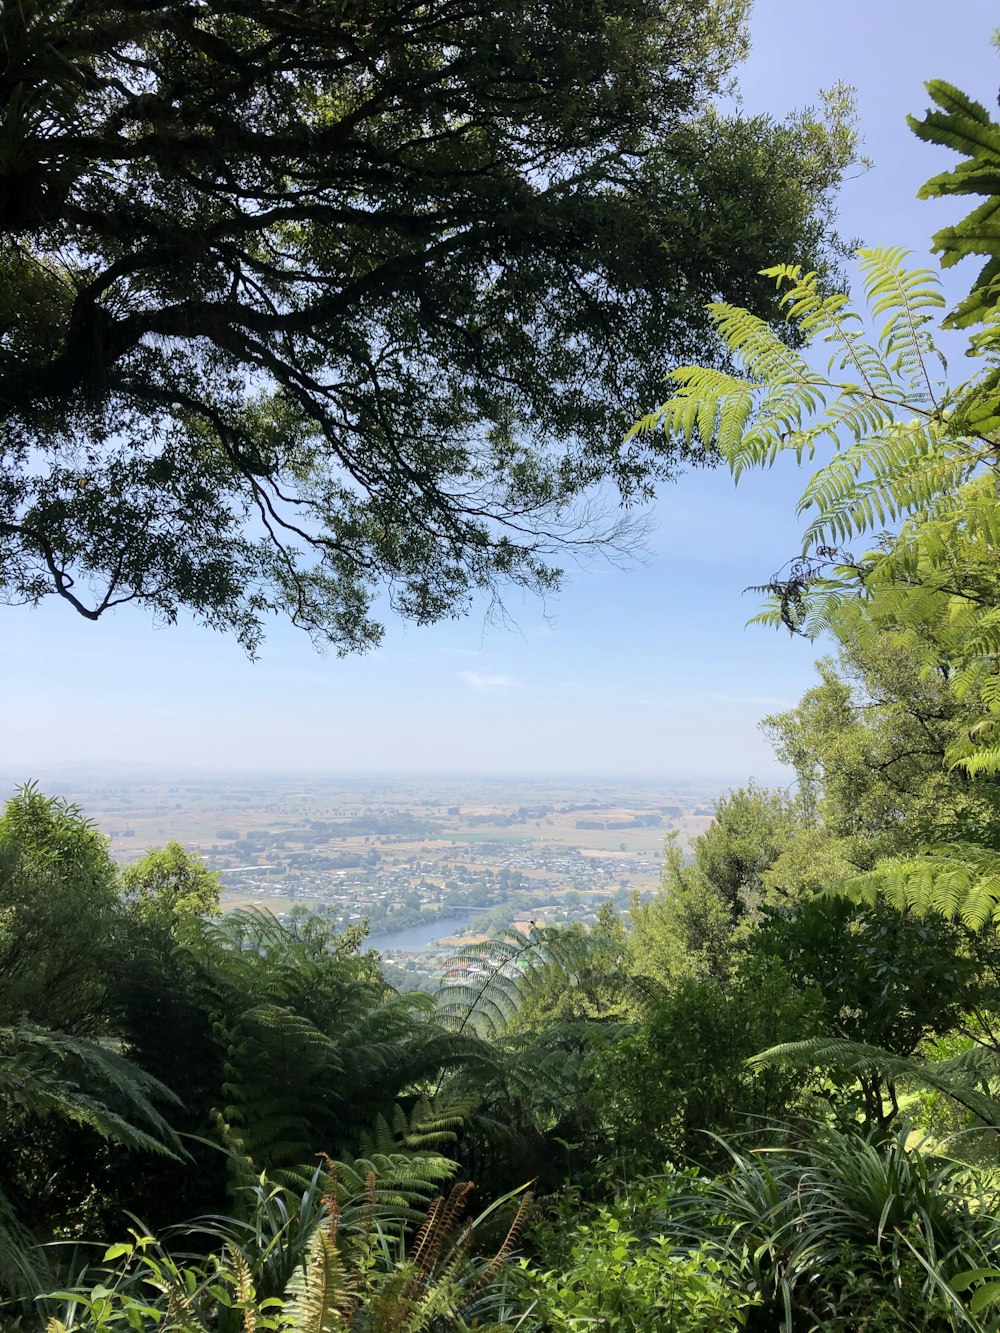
x: 510, y: 1240
x: 330, y: 1202
x: 423, y: 1238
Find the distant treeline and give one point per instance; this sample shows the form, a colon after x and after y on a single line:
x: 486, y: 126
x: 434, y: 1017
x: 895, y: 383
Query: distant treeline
x: 401, y: 823
x: 318, y: 832
x: 640, y: 821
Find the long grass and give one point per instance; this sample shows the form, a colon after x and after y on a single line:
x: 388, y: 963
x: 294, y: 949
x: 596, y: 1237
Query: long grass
x: 821, y: 1227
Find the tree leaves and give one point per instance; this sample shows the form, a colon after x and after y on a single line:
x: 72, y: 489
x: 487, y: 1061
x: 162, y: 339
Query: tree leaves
x: 965, y: 125
x: 303, y: 308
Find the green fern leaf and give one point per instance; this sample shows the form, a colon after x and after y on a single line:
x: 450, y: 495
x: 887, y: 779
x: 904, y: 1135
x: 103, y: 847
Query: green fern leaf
x: 319, y: 1295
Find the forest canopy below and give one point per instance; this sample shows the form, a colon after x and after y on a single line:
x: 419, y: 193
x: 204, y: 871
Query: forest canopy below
x: 770, y: 1097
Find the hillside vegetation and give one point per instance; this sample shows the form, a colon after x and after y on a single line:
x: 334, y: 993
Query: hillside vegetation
x: 769, y: 1098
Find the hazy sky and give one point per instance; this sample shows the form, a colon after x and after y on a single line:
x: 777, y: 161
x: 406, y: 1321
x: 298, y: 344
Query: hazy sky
x: 643, y: 671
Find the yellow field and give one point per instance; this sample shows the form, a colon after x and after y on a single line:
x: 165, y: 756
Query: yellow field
x: 194, y: 813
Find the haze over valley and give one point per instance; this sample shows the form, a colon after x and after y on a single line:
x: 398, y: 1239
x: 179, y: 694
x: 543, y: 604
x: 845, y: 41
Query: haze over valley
x: 428, y: 863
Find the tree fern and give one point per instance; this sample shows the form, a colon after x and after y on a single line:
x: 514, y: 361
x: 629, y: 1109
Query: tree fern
x: 966, y: 126
x: 959, y: 881
x: 966, y: 1078
x: 904, y: 458
x: 429, y: 1125
x: 907, y: 454
x: 486, y: 983
x: 884, y: 415
x: 314, y: 1045
x: 87, y: 1081
x: 543, y: 1001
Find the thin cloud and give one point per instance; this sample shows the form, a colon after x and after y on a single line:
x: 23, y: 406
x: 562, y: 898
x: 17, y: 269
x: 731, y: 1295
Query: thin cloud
x: 483, y: 684
x: 758, y: 700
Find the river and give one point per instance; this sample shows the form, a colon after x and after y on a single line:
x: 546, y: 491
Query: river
x: 417, y: 938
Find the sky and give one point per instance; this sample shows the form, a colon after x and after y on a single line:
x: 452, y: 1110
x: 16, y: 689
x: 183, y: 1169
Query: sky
x: 647, y: 670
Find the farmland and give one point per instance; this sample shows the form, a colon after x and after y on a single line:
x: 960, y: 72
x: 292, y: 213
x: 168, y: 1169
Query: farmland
x: 401, y: 853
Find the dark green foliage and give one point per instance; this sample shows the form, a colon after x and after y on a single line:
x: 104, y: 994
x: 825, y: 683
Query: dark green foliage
x: 752, y: 827
x: 702, y: 921
x: 286, y: 1042
x: 870, y: 741
x: 26, y: 1271
x: 58, y: 914
x: 304, y: 304
x: 282, y: 1041
x: 49, y: 1077
x: 45, y: 1073
x: 313, y: 1044
x: 551, y: 1057
x: 962, y: 124
x: 684, y: 1071
x: 887, y: 978
x: 966, y: 1079
x: 546, y: 1002
x: 842, y: 1232
x: 893, y: 978
x: 67, y: 1088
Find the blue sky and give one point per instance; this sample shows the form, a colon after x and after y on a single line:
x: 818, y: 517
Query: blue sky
x: 647, y: 670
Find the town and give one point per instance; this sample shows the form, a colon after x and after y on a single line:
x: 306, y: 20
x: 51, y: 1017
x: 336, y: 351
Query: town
x: 427, y: 864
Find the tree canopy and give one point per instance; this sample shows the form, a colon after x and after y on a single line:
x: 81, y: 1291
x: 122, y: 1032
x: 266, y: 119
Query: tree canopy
x: 307, y: 306
x: 739, y: 1112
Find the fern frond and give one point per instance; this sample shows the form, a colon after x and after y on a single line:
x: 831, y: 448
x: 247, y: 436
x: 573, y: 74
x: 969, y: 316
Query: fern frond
x: 962, y: 1078
x: 425, y: 1128
x: 320, y: 1295
x: 781, y: 405
x: 958, y: 881
x: 909, y: 297
x: 964, y: 125
x: 982, y: 763
x: 403, y: 1186
x: 87, y: 1081
x: 486, y: 983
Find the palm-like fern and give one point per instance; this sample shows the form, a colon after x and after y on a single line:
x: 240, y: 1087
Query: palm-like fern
x: 898, y: 459
x: 542, y: 1001
x: 965, y: 126
x: 488, y: 983
x: 428, y: 1125
x: 45, y: 1073
x: 959, y: 881
x: 87, y: 1081
x: 906, y: 454
x: 882, y: 417
x: 969, y: 1078
x: 315, y: 1045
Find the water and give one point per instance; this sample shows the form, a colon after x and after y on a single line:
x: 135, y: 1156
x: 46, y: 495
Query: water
x: 417, y: 938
